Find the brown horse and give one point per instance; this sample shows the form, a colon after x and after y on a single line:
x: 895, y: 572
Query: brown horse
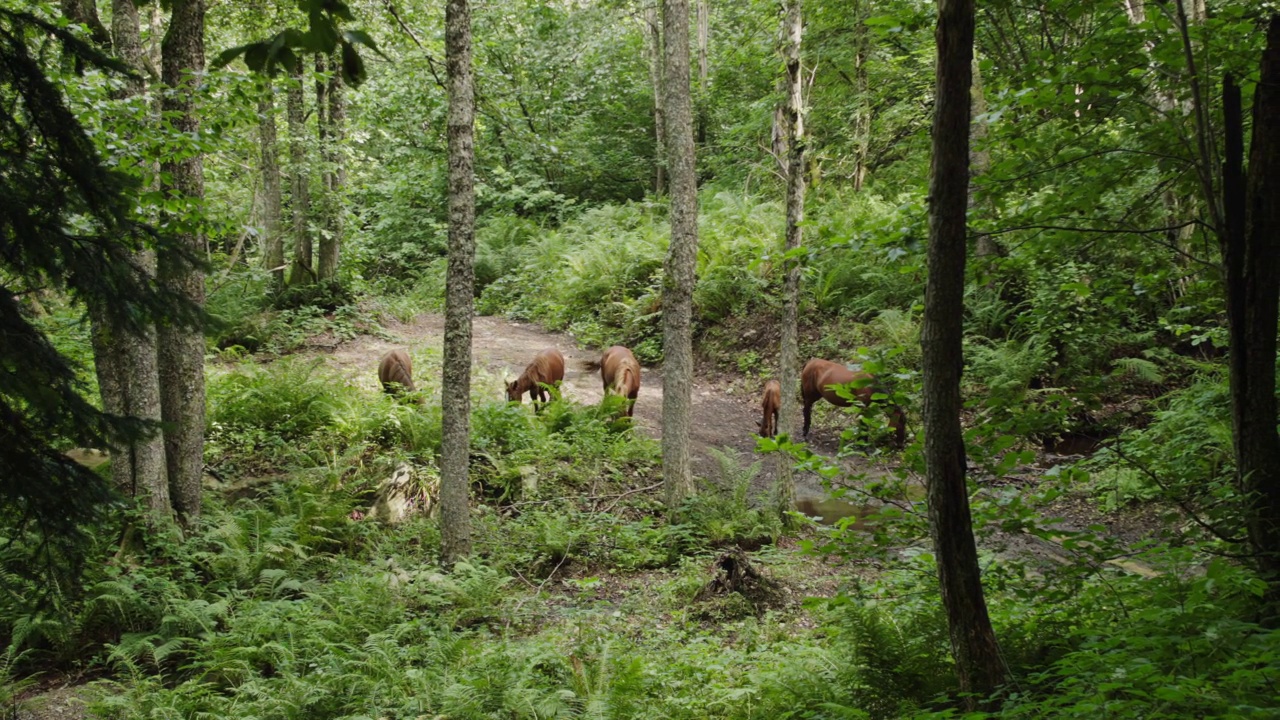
x: 771, y: 401
x: 395, y: 372
x: 620, y: 373
x: 816, y: 380
x: 547, y: 368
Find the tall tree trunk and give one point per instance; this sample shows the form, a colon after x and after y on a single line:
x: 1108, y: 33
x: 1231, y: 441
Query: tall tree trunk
x: 792, y: 29
x: 141, y: 467
x: 182, y: 349
x: 155, y: 31
x: 335, y: 174
x: 862, y: 112
x: 124, y: 360
x: 273, y: 255
x: 299, y: 181
x: 1251, y: 265
x: 980, y: 160
x: 455, y: 394
x: 653, y: 23
x: 323, y: 202
x: 677, y: 288
x: 973, y: 643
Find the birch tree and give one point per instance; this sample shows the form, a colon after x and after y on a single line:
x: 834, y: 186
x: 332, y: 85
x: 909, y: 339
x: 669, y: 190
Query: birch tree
x: 455, y: 395
x: 792, y: 32
x: 677, y: 289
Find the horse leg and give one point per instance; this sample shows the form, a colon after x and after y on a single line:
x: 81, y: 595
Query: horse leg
x: 808, y: 414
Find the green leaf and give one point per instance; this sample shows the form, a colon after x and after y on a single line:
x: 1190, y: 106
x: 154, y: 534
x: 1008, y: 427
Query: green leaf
x: 362, y: 38
x: 353, y: 72
x: 226, y: 57
x: 256, y: 56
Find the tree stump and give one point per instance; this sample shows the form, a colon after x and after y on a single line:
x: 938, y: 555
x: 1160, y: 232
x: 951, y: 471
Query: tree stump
x: 735, y: 574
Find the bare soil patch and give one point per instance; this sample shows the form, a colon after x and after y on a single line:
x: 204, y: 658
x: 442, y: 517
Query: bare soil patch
x: 725, y: 413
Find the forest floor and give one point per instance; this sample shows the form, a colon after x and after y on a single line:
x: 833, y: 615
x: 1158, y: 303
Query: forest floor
x: 726, y: 413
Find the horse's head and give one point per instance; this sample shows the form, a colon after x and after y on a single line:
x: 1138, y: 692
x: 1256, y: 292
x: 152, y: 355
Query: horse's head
x: 513, y: 391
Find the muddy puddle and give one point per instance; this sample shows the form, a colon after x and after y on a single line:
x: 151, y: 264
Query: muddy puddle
x: 830, y: 511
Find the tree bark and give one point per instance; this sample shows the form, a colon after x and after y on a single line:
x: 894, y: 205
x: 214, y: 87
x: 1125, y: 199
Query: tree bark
x: 862, y: 114
x: 182, y: 349
x: 85, y: 12
x: 980, y: 160
x: 299, y: 181
x: 140, y: 467
x: 273, y: 243
x: 792, y: 30
x: 677, y: 290
x: 124, y: 360
x: 323, y: 201
x: 653, y: 23
x: 1251, y: 266
x: 335, y: 174
x: 455, y: 394
x: 973, y: 643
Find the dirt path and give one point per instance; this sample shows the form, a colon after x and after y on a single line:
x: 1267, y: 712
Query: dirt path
x: 501, y: 348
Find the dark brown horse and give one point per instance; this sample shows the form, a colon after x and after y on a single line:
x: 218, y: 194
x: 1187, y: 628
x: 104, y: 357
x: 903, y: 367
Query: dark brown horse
x: 547, y: 368
x: 395, y: 372
x: 816, y: 380
x: 771, y: 401
x: 620, y: 373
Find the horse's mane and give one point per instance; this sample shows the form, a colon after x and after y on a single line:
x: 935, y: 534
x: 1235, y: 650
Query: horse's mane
x: 620, y: 381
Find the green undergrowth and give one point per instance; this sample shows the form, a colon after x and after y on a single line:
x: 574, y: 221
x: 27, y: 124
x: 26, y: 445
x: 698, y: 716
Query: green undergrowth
x: 1056, y: 344
x: 599, y: 275
x: 583, y: 597
x: 248, y: 315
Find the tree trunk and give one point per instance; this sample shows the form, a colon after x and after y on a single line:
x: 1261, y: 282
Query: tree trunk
x: 155, y: 31
x: 455, y: 394
x: 322, y: 202
x: 792, y: 29
x: 182, y: 349
x: 677, y: 290
x: 653, y: 24
x: 85, y: 12
x: 862, y: 113
x: 335, y: 174
x: 273, y: 245
x: 1250, y: 252
x: 973, y: 643
x: 141, y: 466
x: 300, y: 181
x: 125, y: 361
x: 980, y: 160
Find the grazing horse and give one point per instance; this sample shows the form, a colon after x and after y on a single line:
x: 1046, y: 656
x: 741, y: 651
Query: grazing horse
x: 816, y: 380
x: 620, y: 373
x: 547, y: 368
x: 771, y: 401
x: 395, y: 372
